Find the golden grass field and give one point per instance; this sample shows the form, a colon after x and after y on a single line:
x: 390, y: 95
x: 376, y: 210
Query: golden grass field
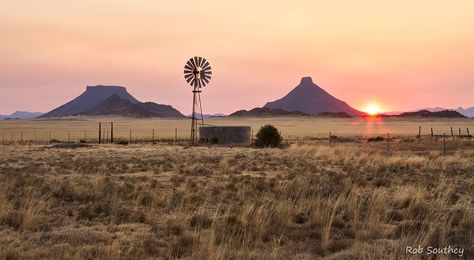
x: 76, y: 128
x: 308, y: 200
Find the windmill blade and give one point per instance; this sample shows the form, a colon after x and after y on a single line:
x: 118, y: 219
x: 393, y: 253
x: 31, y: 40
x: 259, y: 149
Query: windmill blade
x: 189, y: 80
x: 208, y: 76
x: 195, y: 61
x: 188, y: 72
x: 190, y: 64
x: 206, y: 66
x: 187, y: 76
x: 206, y: 80
x: 188, y: 67
x: 200, y: 62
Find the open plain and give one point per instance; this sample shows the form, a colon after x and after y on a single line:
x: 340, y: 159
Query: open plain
x: 292, y: 128
x: 309, y: 199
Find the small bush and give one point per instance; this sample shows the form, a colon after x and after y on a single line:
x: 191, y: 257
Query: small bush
x: 375, y: 139
x: 268, y: 136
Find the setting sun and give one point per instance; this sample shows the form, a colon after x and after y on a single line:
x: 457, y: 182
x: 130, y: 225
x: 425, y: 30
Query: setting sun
x: 372, y: 109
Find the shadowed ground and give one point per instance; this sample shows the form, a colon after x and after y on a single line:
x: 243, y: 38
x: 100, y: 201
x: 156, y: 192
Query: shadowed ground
x: 307, y: 201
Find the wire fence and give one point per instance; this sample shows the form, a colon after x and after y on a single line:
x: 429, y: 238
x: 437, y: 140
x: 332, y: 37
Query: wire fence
x: 106, y: 133
x: 91, y: 136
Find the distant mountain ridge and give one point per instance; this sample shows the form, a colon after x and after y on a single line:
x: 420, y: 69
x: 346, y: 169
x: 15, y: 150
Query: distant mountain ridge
x: 21, y: 115
x: 309, y: 98
x: 258, y: 112
x: 437, y: 114
x: 111, y: 100
x: 469, y: 112
x: 264, y: 112
x: 198, y: 115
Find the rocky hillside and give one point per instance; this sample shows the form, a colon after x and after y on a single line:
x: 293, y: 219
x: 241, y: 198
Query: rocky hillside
x: 309, y: 98
x: 111, y: 100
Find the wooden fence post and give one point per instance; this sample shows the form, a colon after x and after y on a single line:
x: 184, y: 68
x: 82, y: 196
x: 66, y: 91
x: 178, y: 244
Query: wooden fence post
x: 329, y: 139
x: 467, y: 129
x: 432, y: 131
x: 111, y: 132
x: 100, y: 132
x: 130, y: 137
x: 175, y: 135
x: 21, y: 136
x: 452, y: 133
x: 444, y: 144
x: 388, y: 142
x: 35, y: 135
x: 251, y: 138
x: 50, y: 137
x: 459, y: 131
x: 153, y: 136
x: 419, y: 131
x: 68, y: 136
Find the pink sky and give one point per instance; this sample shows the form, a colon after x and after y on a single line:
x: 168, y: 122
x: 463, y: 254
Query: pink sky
x: 400, y: 54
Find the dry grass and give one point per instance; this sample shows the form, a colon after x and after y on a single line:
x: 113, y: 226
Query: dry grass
x: 76, y: 128
x: 345, y: 201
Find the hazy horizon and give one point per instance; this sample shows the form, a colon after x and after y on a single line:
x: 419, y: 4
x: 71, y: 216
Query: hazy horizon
x: 403, y: 56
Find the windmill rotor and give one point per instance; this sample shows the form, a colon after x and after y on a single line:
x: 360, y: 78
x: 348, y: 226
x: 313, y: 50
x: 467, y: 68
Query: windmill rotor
x: 197, y: 72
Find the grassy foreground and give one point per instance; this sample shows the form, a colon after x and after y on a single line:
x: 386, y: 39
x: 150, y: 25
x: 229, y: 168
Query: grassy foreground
x: 303, y: 202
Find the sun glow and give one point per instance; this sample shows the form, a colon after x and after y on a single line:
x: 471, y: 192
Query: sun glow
x: 372, y: 109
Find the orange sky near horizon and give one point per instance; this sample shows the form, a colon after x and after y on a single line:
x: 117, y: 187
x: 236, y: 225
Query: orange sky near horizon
x: 402, y: 55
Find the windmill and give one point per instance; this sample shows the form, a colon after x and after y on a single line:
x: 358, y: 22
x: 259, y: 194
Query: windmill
x: 197, y: 73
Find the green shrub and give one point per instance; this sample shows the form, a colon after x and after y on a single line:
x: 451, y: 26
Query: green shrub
x: 268, y: 136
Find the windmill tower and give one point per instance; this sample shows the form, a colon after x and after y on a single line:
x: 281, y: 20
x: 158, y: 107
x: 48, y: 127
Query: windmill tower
x: 197, y: 73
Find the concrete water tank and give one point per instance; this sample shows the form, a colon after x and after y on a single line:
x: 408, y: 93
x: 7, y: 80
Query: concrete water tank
x: 225, y: 135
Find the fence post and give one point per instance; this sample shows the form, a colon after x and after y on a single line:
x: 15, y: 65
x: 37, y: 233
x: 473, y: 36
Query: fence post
x: 419, y: 131
x: 329, y: 140
x: 68, y: 136
x: 153, y: 136
x: 49, y: 136
x: 251, y: 139
x: 100, y: 132
x: 21, y: 136
x: 467, y: 129
x: 388, y: 142
x: 432, y: 131
x: 130, y: 137
x: 112, y: 132
x: 35, y: 136
x: 175, y: 135
x: 444, y: 144
x: 452, y: 133
x: 3, y: 137
x: 459, y: 131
